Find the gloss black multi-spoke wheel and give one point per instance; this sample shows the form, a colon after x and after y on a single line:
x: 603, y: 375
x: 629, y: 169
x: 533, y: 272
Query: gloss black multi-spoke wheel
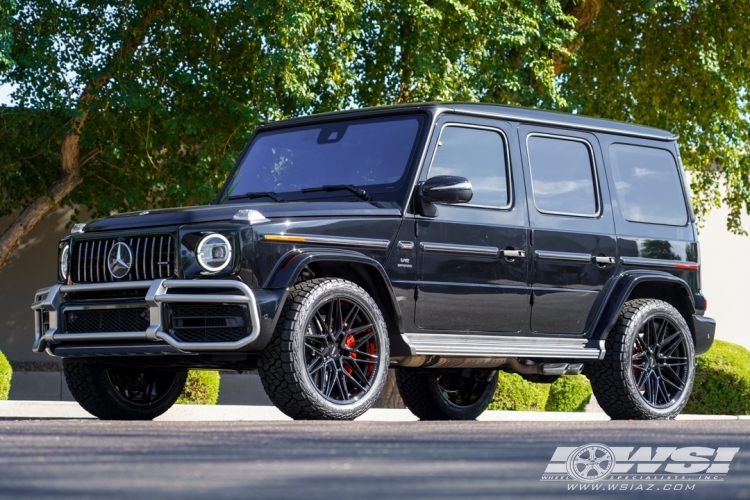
x: 660, y: 361
x: 649, y: 366
x: 342, y: 350
x: 328, y: 358
x: 446, y: 394
x: 123, y: 393
x: 141, y: 387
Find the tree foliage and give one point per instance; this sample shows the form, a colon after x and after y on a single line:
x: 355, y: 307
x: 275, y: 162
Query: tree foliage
x: 7, y: 9
x: 680, y: 65
x: 166, y: 96
x: 129, y: 104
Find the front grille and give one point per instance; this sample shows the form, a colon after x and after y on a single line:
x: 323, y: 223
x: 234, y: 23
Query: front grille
x: 153, y: 257
x: 107, y: 320
x: 208, y: 322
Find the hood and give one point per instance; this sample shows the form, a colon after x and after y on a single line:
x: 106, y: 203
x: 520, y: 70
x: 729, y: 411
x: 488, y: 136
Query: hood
x: 213, y: 213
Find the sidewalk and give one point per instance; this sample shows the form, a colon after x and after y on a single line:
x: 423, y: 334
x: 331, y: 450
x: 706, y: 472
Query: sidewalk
x: 10, y: 410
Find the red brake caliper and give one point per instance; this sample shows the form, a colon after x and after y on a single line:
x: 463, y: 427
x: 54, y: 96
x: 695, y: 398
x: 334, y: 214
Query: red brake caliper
x: 349, y: 342
x: 371, y: 350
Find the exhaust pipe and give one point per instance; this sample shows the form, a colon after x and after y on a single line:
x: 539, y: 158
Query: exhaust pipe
x: 554, y: 369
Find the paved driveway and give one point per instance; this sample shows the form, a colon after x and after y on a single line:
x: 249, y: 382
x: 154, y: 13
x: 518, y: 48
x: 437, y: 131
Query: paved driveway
x: 70, y: 458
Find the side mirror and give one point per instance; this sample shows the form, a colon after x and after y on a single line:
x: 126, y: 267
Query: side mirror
x: 443, y: 189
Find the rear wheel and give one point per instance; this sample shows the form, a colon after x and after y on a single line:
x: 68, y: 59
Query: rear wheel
x: 446, y: 395
x: 649, y: 366
x: 123, y: 393
x: 328, y: 358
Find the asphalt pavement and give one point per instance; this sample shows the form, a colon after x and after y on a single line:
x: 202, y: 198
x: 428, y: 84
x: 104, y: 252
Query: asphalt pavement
x: 84, y: 458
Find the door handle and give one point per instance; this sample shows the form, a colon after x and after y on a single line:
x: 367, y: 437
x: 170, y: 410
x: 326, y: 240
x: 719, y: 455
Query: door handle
x: 584, y: 258
x: 603, y: 260
x: 513, y: 254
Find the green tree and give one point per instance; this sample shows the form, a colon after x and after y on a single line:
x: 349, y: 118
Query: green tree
x: 129, y: 104
x: 7, y: 9
x: 680, y: 65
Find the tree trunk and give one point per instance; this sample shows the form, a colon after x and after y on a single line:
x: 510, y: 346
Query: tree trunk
x: 585, y: 13
x: 69, y: 178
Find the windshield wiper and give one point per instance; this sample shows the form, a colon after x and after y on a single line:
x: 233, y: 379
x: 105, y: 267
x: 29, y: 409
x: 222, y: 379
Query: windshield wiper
x: 257, y: 194
x: 361, y: 193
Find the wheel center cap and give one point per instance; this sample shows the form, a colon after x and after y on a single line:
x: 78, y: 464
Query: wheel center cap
x: 332, y: 351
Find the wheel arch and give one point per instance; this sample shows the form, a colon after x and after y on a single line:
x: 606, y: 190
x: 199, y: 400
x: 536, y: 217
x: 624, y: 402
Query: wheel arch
x: 352, y: 266
x: 644, y: 285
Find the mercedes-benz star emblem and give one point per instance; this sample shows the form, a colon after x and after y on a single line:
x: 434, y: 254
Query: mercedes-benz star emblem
x: 119, y: 260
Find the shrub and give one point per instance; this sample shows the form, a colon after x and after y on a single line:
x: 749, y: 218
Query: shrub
x: 515, y: 393
x: 6, y: 372
x: 569, y: 393
x: 201, y: 388
x: 722, y: 381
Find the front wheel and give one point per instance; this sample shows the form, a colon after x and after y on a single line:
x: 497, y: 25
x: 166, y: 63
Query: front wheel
x: 446, y: 395
x: 123, y: 393
x: 328, y: 358
x: 649, y: 366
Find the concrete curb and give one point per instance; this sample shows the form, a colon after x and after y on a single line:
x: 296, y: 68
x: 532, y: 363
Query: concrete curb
x: 10, y: 410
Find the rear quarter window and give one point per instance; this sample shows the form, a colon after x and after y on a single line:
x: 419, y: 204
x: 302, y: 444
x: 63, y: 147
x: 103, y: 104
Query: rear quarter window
x: 648, y: 185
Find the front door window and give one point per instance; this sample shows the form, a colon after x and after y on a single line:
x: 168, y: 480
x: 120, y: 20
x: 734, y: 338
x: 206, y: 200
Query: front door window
x: 479, y: 155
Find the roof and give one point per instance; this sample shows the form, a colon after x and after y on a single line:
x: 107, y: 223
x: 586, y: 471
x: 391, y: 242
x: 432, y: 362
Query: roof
x: 512, y: 113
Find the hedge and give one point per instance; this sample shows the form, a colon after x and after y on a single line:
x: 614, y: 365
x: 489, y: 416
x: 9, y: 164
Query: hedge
x: 568, y: 393
x: 722, y: 381
x: 201, y: 388
x: 6, y: 372
x: 515, y: 393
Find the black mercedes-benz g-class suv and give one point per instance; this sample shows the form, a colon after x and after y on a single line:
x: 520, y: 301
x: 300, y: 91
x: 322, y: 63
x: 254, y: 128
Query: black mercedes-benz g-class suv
x: 449, y: 241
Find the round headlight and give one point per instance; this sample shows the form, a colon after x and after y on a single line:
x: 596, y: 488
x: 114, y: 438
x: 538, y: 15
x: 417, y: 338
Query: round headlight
x: 64, y: 254
x: 214, y: 253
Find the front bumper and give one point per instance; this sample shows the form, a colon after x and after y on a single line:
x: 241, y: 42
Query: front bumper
x: 49, y: 306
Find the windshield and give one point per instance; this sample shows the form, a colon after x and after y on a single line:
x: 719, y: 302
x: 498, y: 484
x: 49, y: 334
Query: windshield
x: 371, y: 154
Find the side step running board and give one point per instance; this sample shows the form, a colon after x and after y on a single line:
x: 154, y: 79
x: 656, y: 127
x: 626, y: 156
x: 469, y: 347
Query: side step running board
x: 439, y: 344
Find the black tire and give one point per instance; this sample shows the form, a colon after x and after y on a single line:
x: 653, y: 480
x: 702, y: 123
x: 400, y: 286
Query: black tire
x: 313, y: 370
x: 118, y: 393
x: 470, y: 391
x: 648, y: 369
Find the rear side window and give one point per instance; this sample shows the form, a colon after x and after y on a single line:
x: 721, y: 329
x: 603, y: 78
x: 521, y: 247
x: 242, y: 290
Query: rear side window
x: 478, y: 155
x: 562, y: 176
x: 648, y: 185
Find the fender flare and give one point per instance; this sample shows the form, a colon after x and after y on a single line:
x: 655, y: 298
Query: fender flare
x: 619, y: 289
x: 291, y: 264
